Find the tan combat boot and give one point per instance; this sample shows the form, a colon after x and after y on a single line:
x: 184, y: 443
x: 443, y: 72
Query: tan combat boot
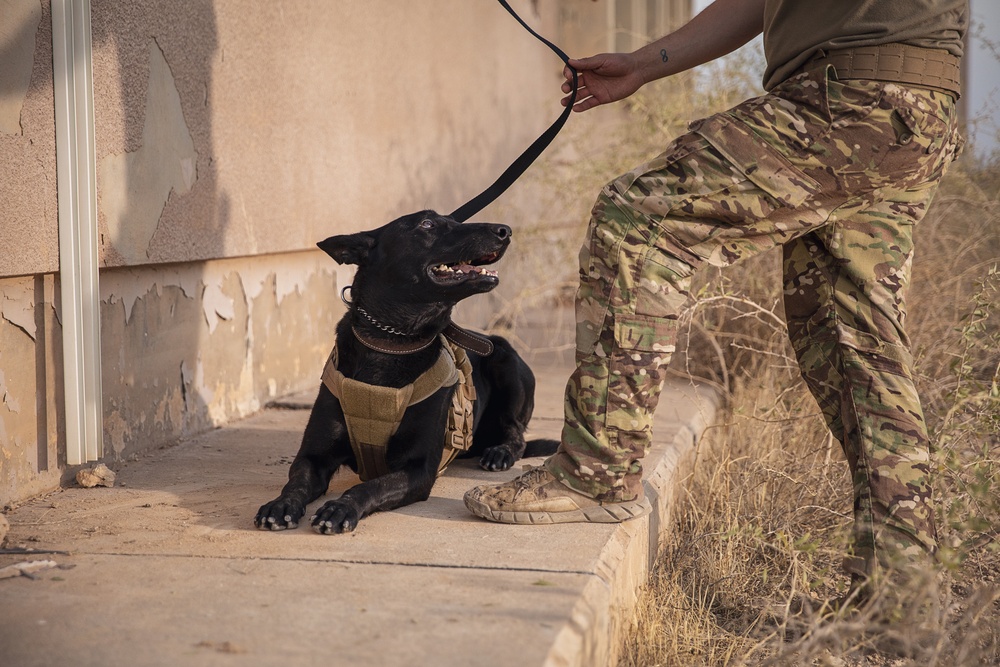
x: 538, y: 497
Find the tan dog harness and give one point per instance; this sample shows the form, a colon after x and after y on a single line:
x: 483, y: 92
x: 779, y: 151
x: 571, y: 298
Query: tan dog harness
x: 374, y: 413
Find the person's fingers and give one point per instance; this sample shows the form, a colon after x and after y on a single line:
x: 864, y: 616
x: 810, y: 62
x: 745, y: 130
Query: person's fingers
x: 568, y: 73
x: 584, y: 101
x: 581, y: 93
x: 582, y: 64
x: 588, y: 103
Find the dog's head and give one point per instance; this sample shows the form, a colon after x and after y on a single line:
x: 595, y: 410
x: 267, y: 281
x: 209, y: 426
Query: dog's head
x: 424, y: 257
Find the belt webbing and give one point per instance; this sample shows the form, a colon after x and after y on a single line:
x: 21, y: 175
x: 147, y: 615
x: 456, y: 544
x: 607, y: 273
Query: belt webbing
x: 898, y: 63
x: 523, y: 161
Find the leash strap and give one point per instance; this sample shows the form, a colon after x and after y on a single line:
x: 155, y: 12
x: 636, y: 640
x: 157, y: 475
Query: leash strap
x: 518, y: 167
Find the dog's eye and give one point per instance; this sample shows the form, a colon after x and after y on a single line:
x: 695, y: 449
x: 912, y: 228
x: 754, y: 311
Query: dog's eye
x: 426, y: 223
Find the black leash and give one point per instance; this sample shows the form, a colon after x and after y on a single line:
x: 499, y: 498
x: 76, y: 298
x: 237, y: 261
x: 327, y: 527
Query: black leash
x: 518, y: 167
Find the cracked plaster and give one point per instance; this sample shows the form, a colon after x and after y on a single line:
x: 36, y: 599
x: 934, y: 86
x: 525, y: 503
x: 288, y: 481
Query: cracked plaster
x: 135, y: 186
x: 17, y: 306
x: 241, y: 332
x: 172, y: 364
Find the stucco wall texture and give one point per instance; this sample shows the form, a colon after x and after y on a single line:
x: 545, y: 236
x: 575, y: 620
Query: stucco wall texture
x: 230, y: 137
x: 29, y: 235
x: 228, y: 129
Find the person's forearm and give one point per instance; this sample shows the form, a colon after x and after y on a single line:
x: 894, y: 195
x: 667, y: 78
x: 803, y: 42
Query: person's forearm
x: 720, y: 28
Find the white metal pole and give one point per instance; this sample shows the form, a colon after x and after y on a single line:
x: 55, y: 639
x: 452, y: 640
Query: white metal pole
x: 78, y: 253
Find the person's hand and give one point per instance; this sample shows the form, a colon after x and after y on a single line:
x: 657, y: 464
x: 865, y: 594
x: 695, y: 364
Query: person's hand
x: 603, y: 78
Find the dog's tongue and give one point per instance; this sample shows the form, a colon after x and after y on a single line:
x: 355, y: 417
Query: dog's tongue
x: 464, y: 268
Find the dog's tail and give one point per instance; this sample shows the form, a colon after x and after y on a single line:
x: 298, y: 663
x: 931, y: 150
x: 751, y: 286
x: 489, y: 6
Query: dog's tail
x: 541, y: 447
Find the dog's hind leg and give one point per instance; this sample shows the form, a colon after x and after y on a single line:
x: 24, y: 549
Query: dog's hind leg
x: 506, y: 389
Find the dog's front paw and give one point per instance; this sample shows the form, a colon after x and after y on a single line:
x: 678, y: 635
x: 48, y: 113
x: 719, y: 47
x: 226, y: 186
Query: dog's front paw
x: 279, y: 514
x: 496, y: 458
x: 336, y: 516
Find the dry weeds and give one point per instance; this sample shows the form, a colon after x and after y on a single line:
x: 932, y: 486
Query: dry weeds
x: 760, y: 527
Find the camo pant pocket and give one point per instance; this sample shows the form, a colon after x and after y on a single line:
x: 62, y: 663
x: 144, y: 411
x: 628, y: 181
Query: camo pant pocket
x: 637, y: 365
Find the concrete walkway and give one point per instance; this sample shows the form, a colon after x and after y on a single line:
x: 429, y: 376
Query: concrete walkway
x: 166, y: 568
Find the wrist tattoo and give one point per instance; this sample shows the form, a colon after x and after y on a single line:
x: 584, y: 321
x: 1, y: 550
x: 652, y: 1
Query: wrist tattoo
x: 663, y: 55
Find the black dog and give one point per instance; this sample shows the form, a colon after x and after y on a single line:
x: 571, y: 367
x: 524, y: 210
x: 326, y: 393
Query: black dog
x: 411, y: 273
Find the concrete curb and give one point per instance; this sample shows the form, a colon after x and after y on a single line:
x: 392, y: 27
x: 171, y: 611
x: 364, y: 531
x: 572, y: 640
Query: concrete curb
x: 596, y: 629
x: 166, y: 568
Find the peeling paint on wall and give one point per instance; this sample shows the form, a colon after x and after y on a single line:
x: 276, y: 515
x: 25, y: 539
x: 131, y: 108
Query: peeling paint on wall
x: 129, y: 285
x: 117, y: 431
x: 184, y: 347
x: 135, y: 186
x: 17, y: 306
x: 216, y: 306
x: 192, y: 346
x: 17, y: 43
x: 28, y: 418
x: 9, y: 401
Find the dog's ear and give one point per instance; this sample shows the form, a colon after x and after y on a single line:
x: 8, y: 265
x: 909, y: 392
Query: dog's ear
x: 348, y: 248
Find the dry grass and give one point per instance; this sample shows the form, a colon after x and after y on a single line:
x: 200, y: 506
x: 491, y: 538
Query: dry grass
x: 760, y: 527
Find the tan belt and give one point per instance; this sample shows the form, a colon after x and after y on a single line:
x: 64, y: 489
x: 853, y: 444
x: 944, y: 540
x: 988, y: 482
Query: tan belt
x: 899, y: 63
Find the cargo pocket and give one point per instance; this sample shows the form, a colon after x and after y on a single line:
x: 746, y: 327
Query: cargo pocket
x: 819, y: 335
x: 873, y: 353
x: 918, y: 149
x: 642, y: 349
x: 885, y: 430
x: 679, y: 148
x: 663, y: 282
x: 761, y: 164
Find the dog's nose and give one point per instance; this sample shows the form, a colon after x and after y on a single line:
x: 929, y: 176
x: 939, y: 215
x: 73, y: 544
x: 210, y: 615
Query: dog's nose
x: 503, y: 231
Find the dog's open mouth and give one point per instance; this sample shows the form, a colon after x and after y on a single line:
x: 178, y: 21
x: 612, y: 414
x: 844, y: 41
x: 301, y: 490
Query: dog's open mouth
x: 465, y: 269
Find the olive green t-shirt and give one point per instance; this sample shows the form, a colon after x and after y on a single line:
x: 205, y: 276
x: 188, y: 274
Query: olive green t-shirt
x: 794, y: 30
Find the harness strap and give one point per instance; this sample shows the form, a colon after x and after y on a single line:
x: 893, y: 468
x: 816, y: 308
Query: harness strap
x: 373, y: 413
x: 461, y: 417
x: 444, y: 373
x: 469, y: 340
x: 523, y: 161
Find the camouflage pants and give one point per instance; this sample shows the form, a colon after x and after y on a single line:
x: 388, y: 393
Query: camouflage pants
x: 837, y: 173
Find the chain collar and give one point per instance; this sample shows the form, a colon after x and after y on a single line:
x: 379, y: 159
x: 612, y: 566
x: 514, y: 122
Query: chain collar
x: 383, y: 346
x: 378, y: 325
x: 465, y: 339
x: 384, y: 327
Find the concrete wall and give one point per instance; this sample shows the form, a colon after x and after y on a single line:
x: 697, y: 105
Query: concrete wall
x: 185, y: 347
x: 225, y: 129
x: 29, y: 239
x: 230, y: 138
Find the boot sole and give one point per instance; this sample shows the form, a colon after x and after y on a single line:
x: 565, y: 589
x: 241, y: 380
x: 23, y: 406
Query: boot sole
x: 610, y: 513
